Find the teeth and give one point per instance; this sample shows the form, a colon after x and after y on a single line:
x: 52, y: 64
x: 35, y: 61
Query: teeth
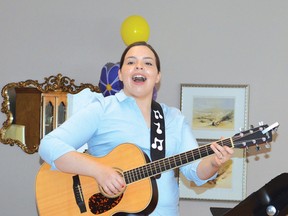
x: 139, y: 78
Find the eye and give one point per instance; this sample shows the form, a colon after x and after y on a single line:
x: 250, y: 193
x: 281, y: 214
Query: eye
x: 130, y: 61
x: 149, y: 63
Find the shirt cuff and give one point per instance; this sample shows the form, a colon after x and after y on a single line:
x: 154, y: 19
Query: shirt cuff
x: 190, y: 173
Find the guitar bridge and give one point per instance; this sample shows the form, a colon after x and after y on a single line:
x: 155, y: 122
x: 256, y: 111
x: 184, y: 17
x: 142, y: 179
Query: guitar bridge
x: 79, y: 194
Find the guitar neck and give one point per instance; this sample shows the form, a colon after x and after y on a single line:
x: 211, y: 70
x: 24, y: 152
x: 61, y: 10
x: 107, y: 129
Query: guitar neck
x: 244, y: 139
x: 159, y: 166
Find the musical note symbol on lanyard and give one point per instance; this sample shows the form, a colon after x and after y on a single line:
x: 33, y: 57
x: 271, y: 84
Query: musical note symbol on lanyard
x: 157, y: 114
x: 155, y: 144
x: 158, y: 130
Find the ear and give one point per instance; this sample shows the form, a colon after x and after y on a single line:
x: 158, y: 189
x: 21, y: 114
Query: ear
x: 158, y: 77
x: 120, y: 75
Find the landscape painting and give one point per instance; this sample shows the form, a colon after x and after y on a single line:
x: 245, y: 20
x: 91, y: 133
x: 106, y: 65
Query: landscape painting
x: 213, y: 113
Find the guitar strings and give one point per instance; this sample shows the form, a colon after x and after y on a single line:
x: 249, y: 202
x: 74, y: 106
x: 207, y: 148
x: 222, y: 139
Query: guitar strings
x: 165, y: 164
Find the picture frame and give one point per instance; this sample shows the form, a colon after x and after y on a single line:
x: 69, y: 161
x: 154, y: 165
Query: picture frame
x: 230, y: 103
x: 215, y: 111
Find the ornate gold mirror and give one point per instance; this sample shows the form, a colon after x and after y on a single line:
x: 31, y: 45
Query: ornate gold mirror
x: 34, y: 109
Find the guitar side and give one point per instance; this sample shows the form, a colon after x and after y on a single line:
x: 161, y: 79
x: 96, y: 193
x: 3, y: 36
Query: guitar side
x: 55, y: 194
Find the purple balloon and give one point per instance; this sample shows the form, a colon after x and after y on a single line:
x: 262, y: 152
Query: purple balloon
x: 109, y: 83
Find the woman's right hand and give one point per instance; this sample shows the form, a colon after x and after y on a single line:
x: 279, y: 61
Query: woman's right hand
x: 108, y: 178
x: 111, y: 181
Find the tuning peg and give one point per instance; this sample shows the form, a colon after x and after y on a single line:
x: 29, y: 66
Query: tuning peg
x: 264, y: 139
x: 267, y: 145
x: 251, y: 126
x: 241, y: 129
x: 273, y: 126
x: 261, y: 123
x: 247, y: 149
x: 258, y: 148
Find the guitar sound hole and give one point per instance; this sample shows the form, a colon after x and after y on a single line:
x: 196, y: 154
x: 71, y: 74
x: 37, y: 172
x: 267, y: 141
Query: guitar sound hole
x: 99, y: 204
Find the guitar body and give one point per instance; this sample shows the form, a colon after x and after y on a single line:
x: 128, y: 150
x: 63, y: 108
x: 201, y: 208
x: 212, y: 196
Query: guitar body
x: 55, y: 193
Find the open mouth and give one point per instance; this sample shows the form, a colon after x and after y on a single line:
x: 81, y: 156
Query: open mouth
x: 139, y: 78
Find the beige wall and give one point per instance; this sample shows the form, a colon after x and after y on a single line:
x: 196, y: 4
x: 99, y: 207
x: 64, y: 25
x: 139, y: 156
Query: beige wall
x: 213, y: 42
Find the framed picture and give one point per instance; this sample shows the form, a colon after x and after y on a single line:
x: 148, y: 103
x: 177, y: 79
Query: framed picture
x: 216, y: 111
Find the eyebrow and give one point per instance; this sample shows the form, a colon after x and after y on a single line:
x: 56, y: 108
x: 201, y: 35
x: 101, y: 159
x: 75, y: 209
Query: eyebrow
x: 134, y: 57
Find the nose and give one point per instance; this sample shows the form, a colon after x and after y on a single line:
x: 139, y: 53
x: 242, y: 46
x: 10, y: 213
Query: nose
x: 139, y: 66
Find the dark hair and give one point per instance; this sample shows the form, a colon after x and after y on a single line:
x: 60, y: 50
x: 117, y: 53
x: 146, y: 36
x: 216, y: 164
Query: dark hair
x: 140, y: 43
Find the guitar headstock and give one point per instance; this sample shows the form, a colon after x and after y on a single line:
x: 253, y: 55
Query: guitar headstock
x: 254, y: 136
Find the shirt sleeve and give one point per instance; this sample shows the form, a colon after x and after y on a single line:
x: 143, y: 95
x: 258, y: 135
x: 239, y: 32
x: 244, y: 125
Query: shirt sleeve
x: 188, y: 142
x: 72, y: 134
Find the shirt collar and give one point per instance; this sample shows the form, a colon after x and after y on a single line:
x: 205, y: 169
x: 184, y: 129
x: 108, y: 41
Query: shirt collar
x: 121, y: 96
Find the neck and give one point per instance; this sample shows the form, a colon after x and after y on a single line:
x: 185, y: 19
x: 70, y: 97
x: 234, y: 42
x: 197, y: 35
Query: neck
x: 145, y: 108
x: 144, y: 105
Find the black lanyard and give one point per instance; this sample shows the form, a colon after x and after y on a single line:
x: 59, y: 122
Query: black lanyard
x: 157, y: 148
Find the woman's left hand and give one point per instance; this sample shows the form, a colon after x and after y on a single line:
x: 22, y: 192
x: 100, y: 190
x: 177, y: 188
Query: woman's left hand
x: 222, y: 154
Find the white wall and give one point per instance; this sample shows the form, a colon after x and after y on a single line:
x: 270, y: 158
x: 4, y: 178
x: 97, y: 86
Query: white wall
x: 213, y: 42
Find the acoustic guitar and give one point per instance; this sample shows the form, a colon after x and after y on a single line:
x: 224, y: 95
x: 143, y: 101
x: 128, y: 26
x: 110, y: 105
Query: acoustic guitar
x: 63, y: 194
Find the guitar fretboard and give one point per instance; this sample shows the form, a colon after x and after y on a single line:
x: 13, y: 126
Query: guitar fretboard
x: 156, y: 167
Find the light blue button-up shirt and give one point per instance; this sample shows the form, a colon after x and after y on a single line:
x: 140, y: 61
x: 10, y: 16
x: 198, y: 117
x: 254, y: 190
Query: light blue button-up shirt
x: 109, y: 121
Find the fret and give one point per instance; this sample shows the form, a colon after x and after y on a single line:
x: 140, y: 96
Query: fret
x: 192, y: 153
x: 202, y: 151
x: 183, y: 158
x: 226, y: 142
x: 175, y: 163
x: 178, y: 161
x: 196, y: 154
x: 127, y: 177
x: 158, y: 170
x: 205, y: 151
x: 232, y: 143
x: 136, y: 174
x: 220, y: 142
x: 180, y: 158
x: 142, y: 172
x: 152, y: 169
x: 167, y: 164
x: 186, y: 155
x: 133, y: 176
x: 147, y: 171
x: 157, y: 167
x: 170, y: 166
x: 199, y: 152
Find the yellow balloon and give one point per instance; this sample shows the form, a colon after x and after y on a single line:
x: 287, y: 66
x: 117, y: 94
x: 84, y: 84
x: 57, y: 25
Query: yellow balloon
x: 135, y: 28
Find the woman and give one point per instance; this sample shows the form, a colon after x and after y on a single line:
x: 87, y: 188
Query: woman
x: 126, y: 118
